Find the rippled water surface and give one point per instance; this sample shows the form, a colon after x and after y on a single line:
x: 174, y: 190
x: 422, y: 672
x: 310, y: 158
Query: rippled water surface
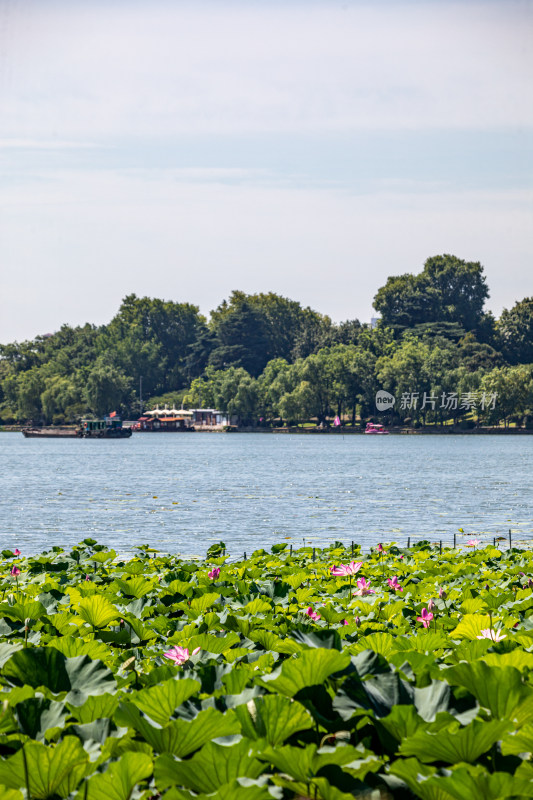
x: 182, y: 492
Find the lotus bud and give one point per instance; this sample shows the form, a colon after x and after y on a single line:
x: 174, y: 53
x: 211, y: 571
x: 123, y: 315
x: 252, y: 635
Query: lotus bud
x: 11, y: 599
x: 431, y: 605
x: 522, y: 574
x: 443, y: 594
x: 27, y: 622
x: 530, y: 583
x: 357, y: 621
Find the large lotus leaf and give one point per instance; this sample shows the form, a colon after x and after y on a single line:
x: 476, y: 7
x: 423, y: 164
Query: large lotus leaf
x: 379, y: 693
x: 419, y: 779
x: 10, y: 794
x: 136, y: 587
x: 37, y: 715
x: 7, y: 649
x: 380, y: 642
x: 182, y: 737
x: 476, y: 783
x: 51, y: 771
x: 213, y: 644
x: 328, y: 639
x: 273, y: 718
x: 134, y: 567
x: 97, y: 611
x: 119, y: 780
x: 471, y: 626
x: 72, y: 646
x: 518, y: 742
x: 200, y: 604
x: 452, y: 746
x: 142, y: 632
x: 402, y: 722
x: 432, y: 699
x: 65, y: 622
x: 257, y: 606
x: 309, y: 668
x: 426, y: 642
x: 95, y: 707
x: 159, y: 702
x: 38, y: 666
x: 519, y: 659
x: 230, y: 791
x: 209, y: 768
x: 494, y: 601
x: 22, y: 611
x: 500, y: 689
x: 103, y: 556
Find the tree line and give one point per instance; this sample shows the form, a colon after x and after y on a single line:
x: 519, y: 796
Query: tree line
x: 267, y: 360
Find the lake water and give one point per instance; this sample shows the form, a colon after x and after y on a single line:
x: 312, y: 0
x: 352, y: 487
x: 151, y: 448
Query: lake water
x: 181, y: 493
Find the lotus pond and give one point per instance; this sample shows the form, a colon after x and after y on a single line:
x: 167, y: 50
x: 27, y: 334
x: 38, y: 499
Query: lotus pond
x: 326, y: 674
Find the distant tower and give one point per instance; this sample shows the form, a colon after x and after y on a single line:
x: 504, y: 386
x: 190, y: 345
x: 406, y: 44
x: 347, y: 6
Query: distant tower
x: 374, y: 322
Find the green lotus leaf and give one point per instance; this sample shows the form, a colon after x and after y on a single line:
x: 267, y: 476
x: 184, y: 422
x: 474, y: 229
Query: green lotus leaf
x: 95, y: 707
x: 119, y: 780
x: 479, y: 784
x: 257, y: 606
x: 380, y: 642
x: 418, y: 777
x: 201, y: 604
x: 159, y: 702
x: 213, y: 644
x: 229, y: 791
x: 22, y: 611
x: 274, y: 718
x: 72, y: 646
x: 102, y: 556
x: 500, y: 689
x: 309, y: 668
x: 135, y: 587
x: 50, y: 771
x: 10, y: 794
x: 471, y: 626
x: 97, y: 611
x: 38, y: 715
x: 209, y: 768
x: 454, y: 745
x: 7, y: 649
x: 134, y: 567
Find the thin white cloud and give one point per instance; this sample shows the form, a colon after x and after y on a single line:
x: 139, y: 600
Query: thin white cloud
x: 76, y: 243
x: 106, y: 70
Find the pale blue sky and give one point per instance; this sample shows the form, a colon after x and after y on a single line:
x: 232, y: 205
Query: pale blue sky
x: 183, y: 150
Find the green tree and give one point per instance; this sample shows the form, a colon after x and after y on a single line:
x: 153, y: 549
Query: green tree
x: 515, y: 331
x: 448, y: 290
x: 107, y: 388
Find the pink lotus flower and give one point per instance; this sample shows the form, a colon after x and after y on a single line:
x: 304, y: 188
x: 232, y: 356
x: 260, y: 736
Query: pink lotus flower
x: 179, y: 655
x: 380, y: 548
x: 312, y: 614
x: 442, y: 593
x: 393, y: 583
x: 364, y: 587
x: 473, y: 542
x: 347, y: 569
x: 215, y: 572
x: 426, y: 617
x: 401, y: 556
x: 87, y: 578
x: 358, y: 621
x: 490, y: 633
x: 16, y: 552
x: 529, y: 583
x: 432, y: 605
x: 15, y: 571
x: 345, y: 622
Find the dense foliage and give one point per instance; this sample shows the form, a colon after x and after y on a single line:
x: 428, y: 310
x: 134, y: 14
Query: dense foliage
x: 266, y: 357
x: 319, y: 674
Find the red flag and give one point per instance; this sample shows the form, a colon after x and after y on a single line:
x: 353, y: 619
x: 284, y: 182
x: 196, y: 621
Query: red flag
x: 113, y: 414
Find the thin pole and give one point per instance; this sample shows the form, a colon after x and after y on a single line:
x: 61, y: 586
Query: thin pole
x: 141, y: 396
x: 510, y: 540
x: 454, y: 540
x: 290, y: 550
x: 245, y: 555
x: 440, y: 546
x: 494, y: 542
x: 313, y: 553
x: 352, y: 548
x: 408, y: 542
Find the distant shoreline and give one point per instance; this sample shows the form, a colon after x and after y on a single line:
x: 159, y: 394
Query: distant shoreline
x: 424, y: 431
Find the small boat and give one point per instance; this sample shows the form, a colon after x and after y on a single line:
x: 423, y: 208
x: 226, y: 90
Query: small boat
x: 376, y: 429
x: 50, y: 433
x: 109, y: 427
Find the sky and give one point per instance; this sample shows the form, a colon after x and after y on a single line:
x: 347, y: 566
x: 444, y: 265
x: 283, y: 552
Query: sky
x: 307, y: 147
